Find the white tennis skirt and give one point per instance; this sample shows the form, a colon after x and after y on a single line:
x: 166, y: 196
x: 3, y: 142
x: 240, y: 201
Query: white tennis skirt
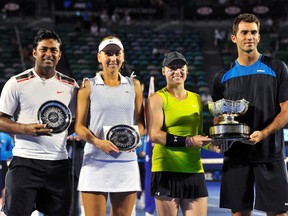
x: 109, y: 176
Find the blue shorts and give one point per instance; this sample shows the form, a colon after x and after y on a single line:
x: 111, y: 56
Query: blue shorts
x: 268, y: 180
x: 41, y: 185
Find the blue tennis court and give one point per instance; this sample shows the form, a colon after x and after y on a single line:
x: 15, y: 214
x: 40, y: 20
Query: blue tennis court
x: 212, y: 164
x: 213, y: 203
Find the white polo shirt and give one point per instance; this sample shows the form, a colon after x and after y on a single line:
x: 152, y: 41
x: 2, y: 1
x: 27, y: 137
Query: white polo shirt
x: 22, y: 96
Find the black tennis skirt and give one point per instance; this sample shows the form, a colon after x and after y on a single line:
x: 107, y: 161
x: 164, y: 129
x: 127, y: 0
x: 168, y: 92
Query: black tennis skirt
x: 178, y: 185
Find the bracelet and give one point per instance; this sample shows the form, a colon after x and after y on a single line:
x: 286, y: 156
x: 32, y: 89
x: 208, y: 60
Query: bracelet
x: 175, y: 141
x: 193, y: 141
x: 190, y: 142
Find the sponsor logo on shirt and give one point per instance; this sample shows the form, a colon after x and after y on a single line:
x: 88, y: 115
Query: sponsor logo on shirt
x: 261, y: 71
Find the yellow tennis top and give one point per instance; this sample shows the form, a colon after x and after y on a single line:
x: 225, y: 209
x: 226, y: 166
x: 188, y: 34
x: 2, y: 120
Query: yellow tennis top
x: 182, y: 118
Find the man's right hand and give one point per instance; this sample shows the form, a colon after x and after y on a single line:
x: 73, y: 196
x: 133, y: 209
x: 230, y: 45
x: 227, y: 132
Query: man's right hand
x: 35, y: 129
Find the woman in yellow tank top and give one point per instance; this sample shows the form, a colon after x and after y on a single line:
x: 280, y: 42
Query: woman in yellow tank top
x: 174, y: 117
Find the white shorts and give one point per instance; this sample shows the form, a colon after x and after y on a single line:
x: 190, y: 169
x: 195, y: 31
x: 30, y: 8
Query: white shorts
x: 109, y: 176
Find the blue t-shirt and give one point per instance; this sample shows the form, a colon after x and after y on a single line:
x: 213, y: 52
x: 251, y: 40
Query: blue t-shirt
x: 6, y: 146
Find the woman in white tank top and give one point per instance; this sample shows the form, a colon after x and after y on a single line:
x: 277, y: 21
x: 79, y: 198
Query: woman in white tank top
x: 108, y: 99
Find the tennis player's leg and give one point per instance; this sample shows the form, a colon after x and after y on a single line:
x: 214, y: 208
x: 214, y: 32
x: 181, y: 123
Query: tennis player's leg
x: 54, y: 199
x: 272, y: 188
x: 237, y: 187
x: 23, y: 181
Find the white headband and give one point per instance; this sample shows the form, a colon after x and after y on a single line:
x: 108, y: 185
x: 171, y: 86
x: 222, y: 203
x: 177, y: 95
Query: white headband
x: 115, y: 41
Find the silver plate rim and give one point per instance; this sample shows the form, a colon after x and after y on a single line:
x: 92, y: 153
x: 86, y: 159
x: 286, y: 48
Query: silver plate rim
x: 132, y: 129
x: 63, y: 107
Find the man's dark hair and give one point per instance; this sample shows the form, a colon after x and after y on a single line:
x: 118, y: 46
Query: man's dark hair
x: 44, y: 34
x: 245, y: 17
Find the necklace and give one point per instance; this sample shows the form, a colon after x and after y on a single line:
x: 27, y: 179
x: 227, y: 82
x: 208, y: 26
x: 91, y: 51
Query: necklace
x: 43, y: 80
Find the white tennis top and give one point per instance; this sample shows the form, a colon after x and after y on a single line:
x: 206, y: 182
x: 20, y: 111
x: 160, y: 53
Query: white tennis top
x: 21, y: 98
x: 110, y: 106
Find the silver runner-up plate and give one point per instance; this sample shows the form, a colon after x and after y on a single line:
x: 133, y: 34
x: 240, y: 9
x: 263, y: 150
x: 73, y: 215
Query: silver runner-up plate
x: 55, y: 115
x: 125, y: 137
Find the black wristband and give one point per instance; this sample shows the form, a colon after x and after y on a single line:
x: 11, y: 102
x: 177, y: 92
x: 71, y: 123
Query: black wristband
x: 175, y: 141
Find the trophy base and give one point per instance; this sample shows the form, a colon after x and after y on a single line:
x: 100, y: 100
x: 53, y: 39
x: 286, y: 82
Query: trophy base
x: 232, y: 132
